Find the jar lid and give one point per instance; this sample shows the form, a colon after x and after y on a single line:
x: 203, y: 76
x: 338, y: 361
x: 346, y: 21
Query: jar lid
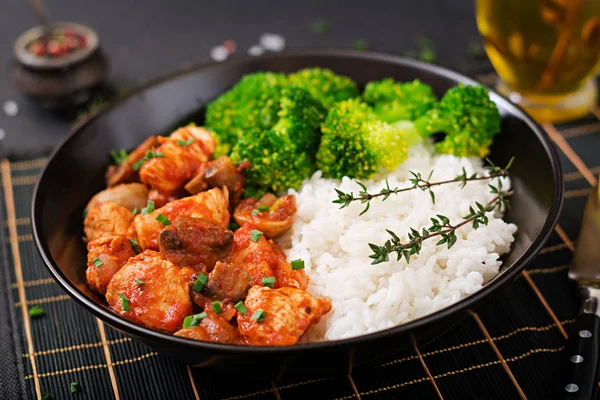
x: 92, y: 42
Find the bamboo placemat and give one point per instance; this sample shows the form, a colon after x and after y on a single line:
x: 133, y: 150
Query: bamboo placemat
x: 507, y: 349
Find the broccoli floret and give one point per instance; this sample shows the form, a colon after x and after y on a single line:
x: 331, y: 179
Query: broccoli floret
x: 253, y: 103
x: 355, y: 144
x: 467, y: 116
x: 393, y: 101
x: 276, y: 164
x: 300, y: 117
x: 324, y: 85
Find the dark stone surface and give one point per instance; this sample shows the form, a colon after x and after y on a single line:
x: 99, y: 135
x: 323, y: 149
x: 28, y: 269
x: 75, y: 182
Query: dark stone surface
x: 148, y: 38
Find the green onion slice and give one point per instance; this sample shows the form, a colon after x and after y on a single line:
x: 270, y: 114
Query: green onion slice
x: 139, y: 282
x: 74, y: 387
x: 163, y: 220
x: 36, y: 311
x: 297, y: 264
x: 255, y: 213
x: 255, y: 235
x: 200, y: 282
x: 216, y: 307
x: 268, y: 281
x: 149, y: 207
x: 135, y: 245
x: 97, y: 262
x: 124, y: 302
x: 134, y: 211
x: 263, y: 208
x: 186, y: 142
x: 259, y: 315
x: 193, y: 320
x: 241, y: 307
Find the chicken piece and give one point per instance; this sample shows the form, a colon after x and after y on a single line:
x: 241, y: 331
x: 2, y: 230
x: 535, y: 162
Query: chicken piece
x: 218, y: 173
x: 212, y: 328
x: 156, y: 292
x: 226, y: 281
x: 274, y: 221
x: 106, y: 255
x: 183, y: 152
x: 263, y: 258
x: 210, y: 205
x: 288, y: 313
x: 128, y: 195
x: 106, y: 218
x: 124, y: 173
x: 160, y: 199
x: 195, y: 242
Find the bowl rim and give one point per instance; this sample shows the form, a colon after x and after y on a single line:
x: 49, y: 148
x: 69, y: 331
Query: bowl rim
x: 139, y: 331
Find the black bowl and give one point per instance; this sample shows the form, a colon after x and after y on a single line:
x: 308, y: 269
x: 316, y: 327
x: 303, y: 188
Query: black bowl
x: 75, y: 172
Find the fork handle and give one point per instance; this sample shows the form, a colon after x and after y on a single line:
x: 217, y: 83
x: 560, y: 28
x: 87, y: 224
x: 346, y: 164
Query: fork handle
x: 582, y: 369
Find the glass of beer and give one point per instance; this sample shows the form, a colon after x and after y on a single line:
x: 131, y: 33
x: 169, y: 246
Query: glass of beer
x: 546, y: 53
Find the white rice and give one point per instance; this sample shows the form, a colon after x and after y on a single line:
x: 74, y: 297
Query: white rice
x: 334, y: 246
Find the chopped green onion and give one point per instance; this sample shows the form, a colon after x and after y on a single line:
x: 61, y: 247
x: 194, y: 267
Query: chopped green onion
x: 149, y: 207
x: 255, y: 213
x: 74, y: 387
x: 124, y: 302
x: 259, y: 315
x: 200, y: 282
x: 158, y: 154
x: 186, y: 142
x: 135, y: 245
x: 163, y: 220
x: 134, y: 211
x: 119, y: 156
x: 232, y: 226
x: 297, y: 264
x: 263, y: 208
x: 255, y: 235
x: 241, y: 307
x: 36, y: 311
x: 85, y: 213
x: 216, y: 307
x: 97, y: 262
x: 268, y: 281
x: 139, y: 282
x: 193, y: 320
x: 138, y: 164
x: 48, y: 396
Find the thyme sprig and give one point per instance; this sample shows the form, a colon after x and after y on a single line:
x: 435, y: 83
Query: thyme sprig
x: 441, y: 227
x: 418, y: 182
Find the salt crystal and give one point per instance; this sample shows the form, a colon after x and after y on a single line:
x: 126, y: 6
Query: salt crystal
x: 219, y: 53
x: 256, y: 50
x: 2, y: 133
x: 272, y: 42
x: 11, y: 108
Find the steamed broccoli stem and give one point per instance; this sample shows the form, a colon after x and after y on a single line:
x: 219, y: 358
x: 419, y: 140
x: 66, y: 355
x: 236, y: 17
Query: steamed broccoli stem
x: 253, y: 103
x: 276, y: 164
x: 467, y: 116
x: 409, y: 132
x: 393, y: 101
x: 324, y: 85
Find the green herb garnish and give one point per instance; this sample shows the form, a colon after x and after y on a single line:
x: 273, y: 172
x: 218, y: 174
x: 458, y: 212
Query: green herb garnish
x: 216, y: 307
x: 139, y: 282
x: 255, y: 213
x: 48, y: 396
x: 163, y: 220
x: 36, y: 311
x: 200, y: 282
x: 241, y: 307
x: 97, y: 262
x: 263, y: 208
x: 149, y: 207
x: 297, y: 264
x: 232, y: 226
x: 186, y: 142
x: 135, y: 245
x: 134, y: 211
x: 193, y: 320
x: 149, y: 155
x: 74, y: 387
x: 124, y: 302
x: 259, y: 315
x: 255, y: 235
x: 320, y: 26
x: 268, y: 281
x: 360, y: 45
x: 119, y: 156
